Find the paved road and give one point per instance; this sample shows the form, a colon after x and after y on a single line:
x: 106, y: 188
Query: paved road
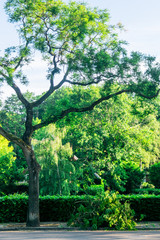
x: 64, y: 235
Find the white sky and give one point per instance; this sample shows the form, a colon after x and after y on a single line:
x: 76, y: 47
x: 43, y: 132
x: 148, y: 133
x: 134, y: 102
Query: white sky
x: 141, y: 19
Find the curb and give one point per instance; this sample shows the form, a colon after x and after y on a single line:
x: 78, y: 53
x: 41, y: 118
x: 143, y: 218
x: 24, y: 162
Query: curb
x: 65, y: 229
x: 57, y: 226
x: 147, y: 228
x: 37, y: 229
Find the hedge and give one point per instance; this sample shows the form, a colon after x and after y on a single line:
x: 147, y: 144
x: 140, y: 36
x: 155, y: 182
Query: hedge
x: 13, y: 208
x: 146, y: 207
x: 54, y: 208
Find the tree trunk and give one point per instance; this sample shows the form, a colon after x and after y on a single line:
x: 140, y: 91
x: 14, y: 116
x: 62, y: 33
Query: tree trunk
x: 33, y: 218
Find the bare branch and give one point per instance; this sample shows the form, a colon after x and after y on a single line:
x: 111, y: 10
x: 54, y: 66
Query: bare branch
x: 17, y: 90
x: 63, y: 80
x: 51, y: 89
x: 19, y: 94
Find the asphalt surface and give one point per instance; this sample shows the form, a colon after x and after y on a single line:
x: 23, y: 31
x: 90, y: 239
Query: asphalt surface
x: 80, y: 235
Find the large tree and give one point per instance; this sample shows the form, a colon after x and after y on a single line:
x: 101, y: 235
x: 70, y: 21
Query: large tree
x: 79, y: 43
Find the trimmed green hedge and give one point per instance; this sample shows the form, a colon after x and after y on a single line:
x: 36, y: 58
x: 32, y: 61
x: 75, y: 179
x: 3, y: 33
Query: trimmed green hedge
x: 54, y: 208
x: 146, y: 207
x: 13, y: 208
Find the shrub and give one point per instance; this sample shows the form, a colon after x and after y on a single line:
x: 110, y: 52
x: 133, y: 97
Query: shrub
x: 154, y: 171
x: 95, y: 190
x: 134, y: 177
x: 115, y: 177
x: 104, y: 211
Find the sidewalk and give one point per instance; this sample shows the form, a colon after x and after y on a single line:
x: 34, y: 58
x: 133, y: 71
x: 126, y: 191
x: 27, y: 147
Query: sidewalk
x: 43, y: 226
x: 148, y: 226
x: 63, y: 226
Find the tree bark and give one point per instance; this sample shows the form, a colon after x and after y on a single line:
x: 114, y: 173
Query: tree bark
x: 33, y: 217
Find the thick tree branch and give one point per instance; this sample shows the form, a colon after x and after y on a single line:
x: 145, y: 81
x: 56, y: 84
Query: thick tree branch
x: 12, y: 138
x: 44, y: 97
x: 19, y: 94
x: 3, y: 75
x: 89, y: 108
x: 17, y: 90
x: 28, y: 125
x: 83, y: 84
x: 149, y: 97
x: 84, y: 109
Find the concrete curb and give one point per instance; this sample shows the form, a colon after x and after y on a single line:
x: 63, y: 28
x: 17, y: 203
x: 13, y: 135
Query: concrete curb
x: 63, y: 227
x: 37, y: 229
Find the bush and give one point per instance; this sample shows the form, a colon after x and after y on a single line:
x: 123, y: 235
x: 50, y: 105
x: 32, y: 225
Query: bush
x: 134, y: 177
x: 115, y: 177
x: 95, y: 190
x: 154, y: 171
x: 104, y: 211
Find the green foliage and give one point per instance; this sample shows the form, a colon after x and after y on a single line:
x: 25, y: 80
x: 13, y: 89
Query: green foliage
x: 145, y: 185
x: 69, y: 32
x: 115, y: 176
x: 112, y: 136
x: 154, y: 171
x: 7, y: 165
x: 52, y: 208
x: 134, y: 177
x: 104, y: 211
x: 81, y: 39
x: 13, y: 208
x: 60, y: 208
x: 115, y: 134
x: 95, y: 190
x: 146, y: 207
x: 13, y: 114
x: 152, y: 191
x: 58, y: 173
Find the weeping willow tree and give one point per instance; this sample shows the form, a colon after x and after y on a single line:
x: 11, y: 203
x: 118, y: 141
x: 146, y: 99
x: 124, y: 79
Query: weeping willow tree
x: 58, y: 173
